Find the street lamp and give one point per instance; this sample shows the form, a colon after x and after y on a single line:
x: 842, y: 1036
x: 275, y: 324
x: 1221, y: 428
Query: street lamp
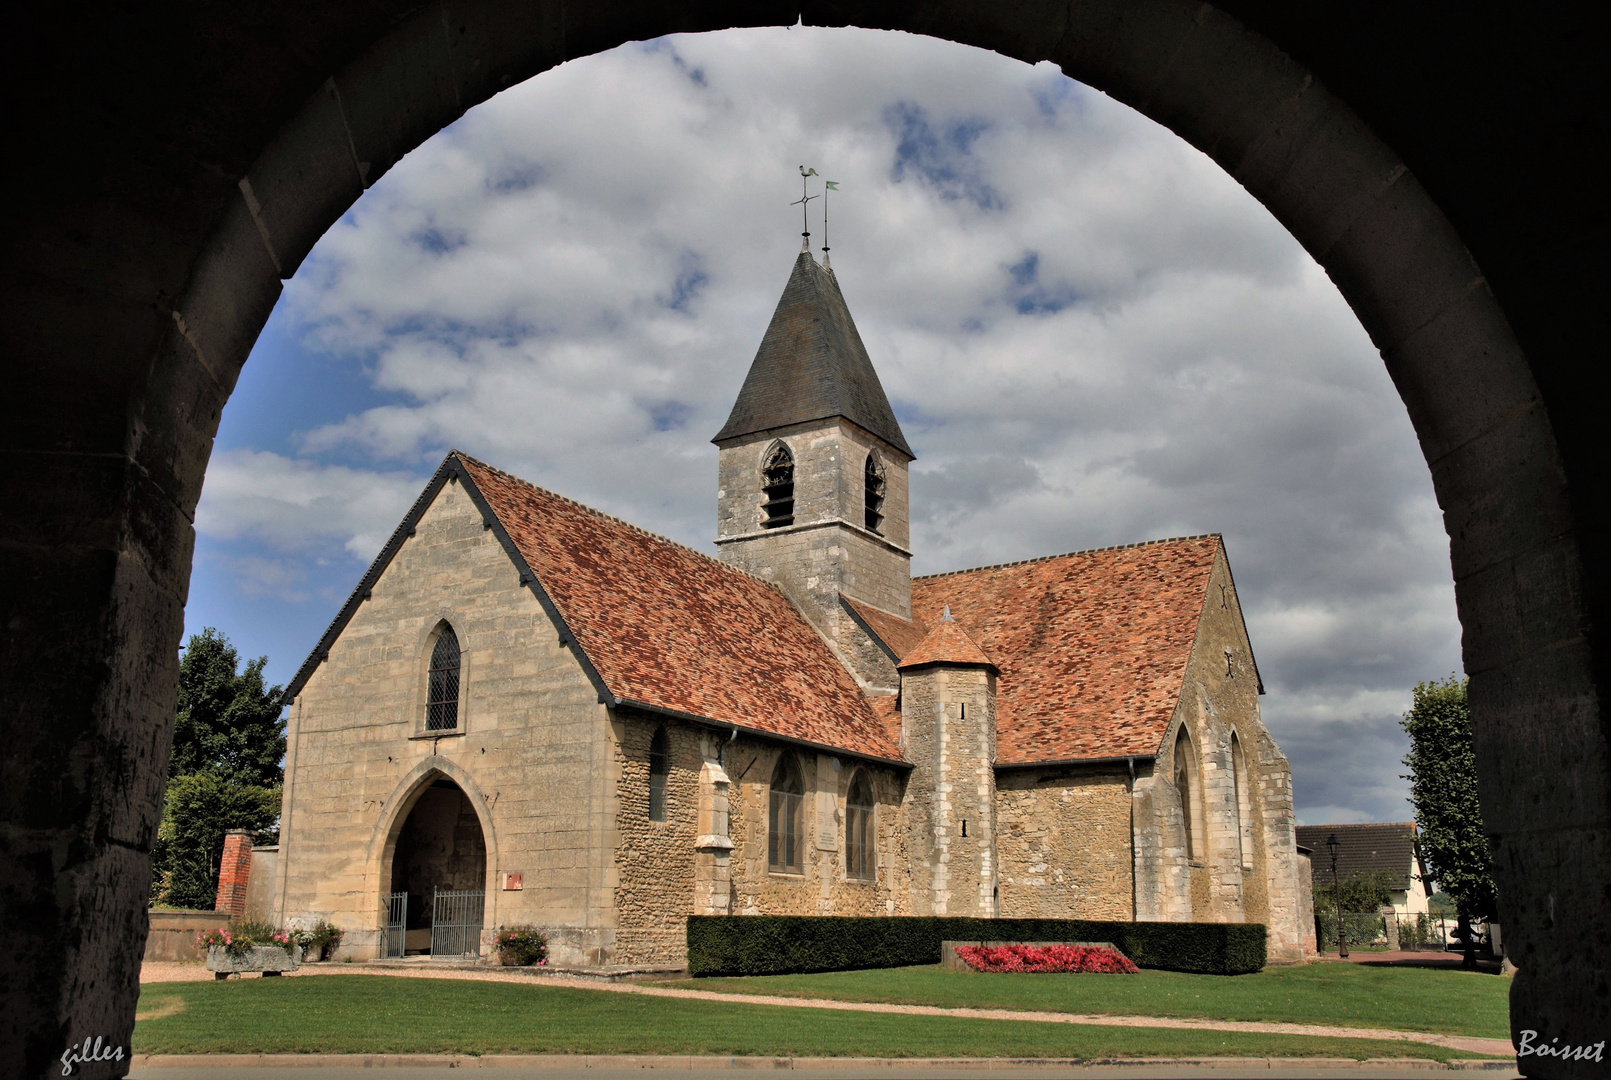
x: 1334, y: 845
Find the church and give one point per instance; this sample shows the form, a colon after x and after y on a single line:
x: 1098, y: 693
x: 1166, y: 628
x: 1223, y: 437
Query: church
x: 531, y: 713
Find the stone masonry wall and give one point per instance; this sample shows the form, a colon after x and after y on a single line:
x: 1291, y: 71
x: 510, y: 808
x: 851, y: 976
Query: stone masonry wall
x: 823, y: 889
x: 532, y: 749
x: 655, y: 860
x: 1063, y: 839
x: 826, y: 553
x: 948, y: 729
x: 1244, y: 865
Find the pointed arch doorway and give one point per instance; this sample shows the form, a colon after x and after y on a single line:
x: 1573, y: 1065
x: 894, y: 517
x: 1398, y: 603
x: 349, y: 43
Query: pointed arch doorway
x: 437, y: 890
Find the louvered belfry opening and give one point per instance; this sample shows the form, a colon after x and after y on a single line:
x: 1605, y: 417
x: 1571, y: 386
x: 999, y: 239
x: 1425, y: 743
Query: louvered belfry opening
x: 778, y: 486
x: 875, y: 486
x: 442, y: 696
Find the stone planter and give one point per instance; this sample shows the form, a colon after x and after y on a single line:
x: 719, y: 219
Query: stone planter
x: 268, y: 959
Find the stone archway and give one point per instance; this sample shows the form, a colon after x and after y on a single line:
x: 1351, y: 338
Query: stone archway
x: 138, y: 287
x: 437, y: 848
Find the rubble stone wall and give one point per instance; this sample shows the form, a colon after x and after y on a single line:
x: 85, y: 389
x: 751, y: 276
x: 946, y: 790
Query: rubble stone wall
x: 1063, y: 838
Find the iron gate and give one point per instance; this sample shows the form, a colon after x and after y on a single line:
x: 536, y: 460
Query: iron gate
x: 396, y: 912
x: 456, y: 923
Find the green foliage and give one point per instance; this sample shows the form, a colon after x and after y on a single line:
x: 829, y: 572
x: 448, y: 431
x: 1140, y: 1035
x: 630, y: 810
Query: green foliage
x: 224, y: 772
x: 372, y: 1014
x: 228, y: 723
x: 1364, y: 890
x: 324, y: 940
x: 779, y: 944
x: 1443, y: 788
x: 521, y: 946
x: 1351, y: 995
x: 198, y: 809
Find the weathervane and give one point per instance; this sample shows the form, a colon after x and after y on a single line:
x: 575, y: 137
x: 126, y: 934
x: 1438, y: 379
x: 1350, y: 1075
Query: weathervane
x: 802, y: 203
x: 827, y: 186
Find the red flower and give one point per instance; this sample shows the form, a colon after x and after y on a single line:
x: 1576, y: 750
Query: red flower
x: 1046, y: 958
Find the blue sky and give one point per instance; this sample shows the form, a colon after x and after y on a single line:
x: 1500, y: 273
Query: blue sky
x: 1091, y: 335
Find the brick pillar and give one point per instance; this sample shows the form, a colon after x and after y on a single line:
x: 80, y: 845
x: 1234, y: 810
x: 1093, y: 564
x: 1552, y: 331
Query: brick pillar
x: 233, y: 870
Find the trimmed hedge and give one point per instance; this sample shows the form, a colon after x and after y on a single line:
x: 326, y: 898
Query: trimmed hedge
x: 791, y: 944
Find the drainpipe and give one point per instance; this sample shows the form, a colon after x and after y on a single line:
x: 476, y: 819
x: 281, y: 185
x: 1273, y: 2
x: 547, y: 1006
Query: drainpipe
x: 1131, y: 762
x: 721, y: 749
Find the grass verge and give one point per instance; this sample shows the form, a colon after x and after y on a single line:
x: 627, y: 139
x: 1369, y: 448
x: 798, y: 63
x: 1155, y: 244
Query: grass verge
x: 351, y: 1014
x: 1344, y: 995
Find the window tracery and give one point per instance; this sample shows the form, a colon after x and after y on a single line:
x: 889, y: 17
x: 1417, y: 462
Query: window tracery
x: 785, y: 839
x: 442, y: 685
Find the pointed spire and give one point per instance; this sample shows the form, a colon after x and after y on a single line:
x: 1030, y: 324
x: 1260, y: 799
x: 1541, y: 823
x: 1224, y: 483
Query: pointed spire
x: 812, y: 365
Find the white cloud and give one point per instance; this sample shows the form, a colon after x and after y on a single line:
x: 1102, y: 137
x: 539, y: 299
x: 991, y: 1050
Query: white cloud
x: 300, y: 507
x: 1091, y: 333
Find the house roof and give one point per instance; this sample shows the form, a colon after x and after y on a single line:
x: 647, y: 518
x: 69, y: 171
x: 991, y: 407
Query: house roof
x: 1364, y: 848
x: 947, y: 643
x: 812, y: 365
x: 1092, y: 646
x: 658, y: 625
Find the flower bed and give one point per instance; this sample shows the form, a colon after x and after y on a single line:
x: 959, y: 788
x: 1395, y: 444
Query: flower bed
x: 1045, y: 958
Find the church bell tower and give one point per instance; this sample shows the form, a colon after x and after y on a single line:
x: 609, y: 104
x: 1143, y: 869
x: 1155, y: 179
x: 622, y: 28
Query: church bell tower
x: 812, y: 492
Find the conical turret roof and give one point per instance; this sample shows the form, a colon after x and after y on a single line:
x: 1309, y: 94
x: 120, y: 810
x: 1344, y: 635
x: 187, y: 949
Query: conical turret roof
x: 947, y: 643
x: 812, y: 365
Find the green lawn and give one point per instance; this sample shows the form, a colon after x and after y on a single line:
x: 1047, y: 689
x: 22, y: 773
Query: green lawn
x: 1348, y: 995
x: 378, y: 1014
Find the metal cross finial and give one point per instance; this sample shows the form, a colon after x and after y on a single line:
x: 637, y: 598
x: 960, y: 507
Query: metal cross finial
x: 802, y: 203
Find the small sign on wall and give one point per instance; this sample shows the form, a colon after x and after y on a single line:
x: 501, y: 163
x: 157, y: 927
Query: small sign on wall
x: 514, y: 882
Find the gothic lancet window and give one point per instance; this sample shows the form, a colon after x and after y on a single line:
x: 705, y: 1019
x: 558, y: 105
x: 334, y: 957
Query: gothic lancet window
x: 874, y: 486
x: 778, y: 486
x: 659, y: 768
x: 442, y: 690
x: 1185, y: 777
x: 861, y: 858
x: 1244, y: 819
x: 785, y: 842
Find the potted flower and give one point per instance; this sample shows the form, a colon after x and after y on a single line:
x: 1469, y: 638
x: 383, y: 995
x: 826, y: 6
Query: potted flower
x: 522, y: 946
x: 234, y: 951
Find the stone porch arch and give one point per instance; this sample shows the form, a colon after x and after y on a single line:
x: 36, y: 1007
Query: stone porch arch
x: 394, y: 812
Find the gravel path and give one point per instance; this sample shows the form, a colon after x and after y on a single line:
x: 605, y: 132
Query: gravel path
x: 154, y: 972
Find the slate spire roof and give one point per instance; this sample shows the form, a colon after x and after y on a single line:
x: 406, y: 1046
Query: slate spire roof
x: 812, y: 365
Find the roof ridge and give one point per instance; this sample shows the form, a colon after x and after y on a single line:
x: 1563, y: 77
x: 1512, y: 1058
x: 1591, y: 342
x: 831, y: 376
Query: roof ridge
x: 1064, y: 555
x: 596, y: 512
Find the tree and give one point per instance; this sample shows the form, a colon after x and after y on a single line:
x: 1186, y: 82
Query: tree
x: 228, y: 724
x: 1443, y: 789
x: 225, y: 770
x: 1362, y: 891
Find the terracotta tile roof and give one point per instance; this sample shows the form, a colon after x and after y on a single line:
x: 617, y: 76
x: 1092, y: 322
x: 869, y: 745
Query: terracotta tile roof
x: 670, y: 628
x: 1364, y: 848
x: 899, y: 636
x: 947, y: 643
x: 888, y: 710
x: 1092, y: 646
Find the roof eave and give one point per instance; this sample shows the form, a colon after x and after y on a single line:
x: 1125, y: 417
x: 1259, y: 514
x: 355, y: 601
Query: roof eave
x: 760, y: 733
x: 1063, y: 763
